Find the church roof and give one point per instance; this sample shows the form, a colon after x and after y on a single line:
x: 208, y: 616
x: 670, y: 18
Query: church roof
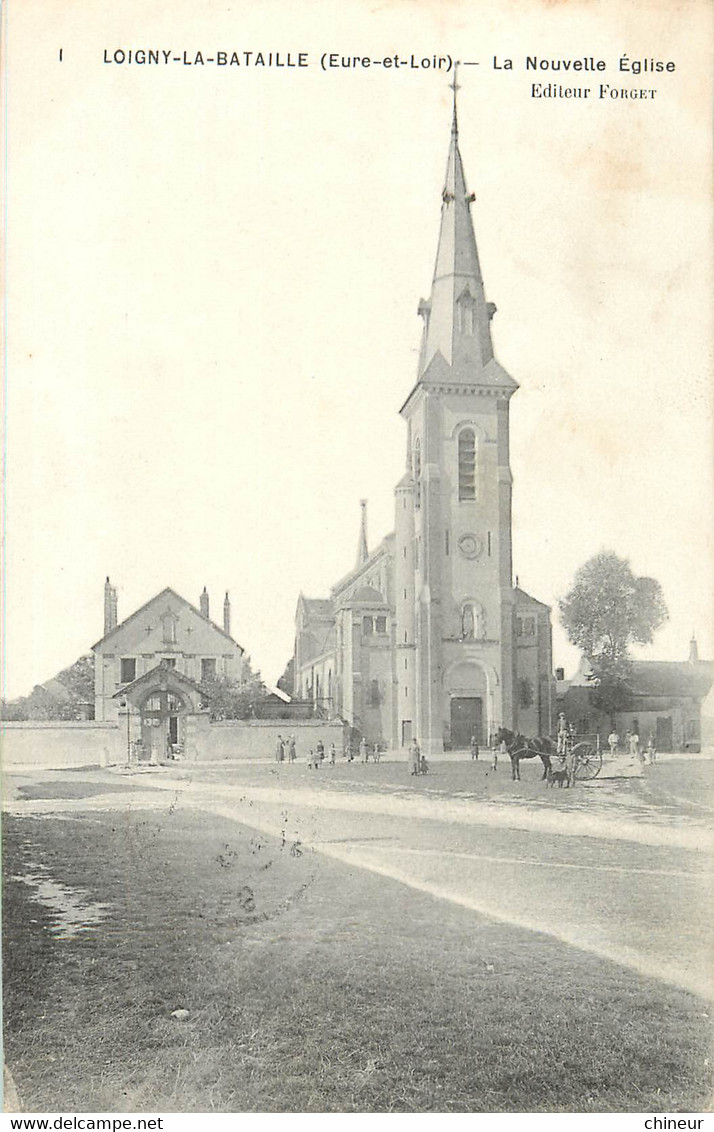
x: 366, y: 595
x: 167, y: 592
x: 523, y: 598
x: 317, y: 607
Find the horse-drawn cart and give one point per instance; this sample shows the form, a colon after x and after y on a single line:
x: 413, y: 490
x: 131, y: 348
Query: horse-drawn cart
x: 566, y: 759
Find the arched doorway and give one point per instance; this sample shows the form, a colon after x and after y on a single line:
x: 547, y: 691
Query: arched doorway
x: 162, y: 725
x: 469, y: 684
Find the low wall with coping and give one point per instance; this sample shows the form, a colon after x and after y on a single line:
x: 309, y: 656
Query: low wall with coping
x: 257, y: 738
x: 55, y: 743
x: 58, y: 744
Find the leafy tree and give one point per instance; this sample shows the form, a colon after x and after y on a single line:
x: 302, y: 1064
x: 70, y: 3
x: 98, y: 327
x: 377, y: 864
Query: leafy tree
x: 229, y: 699
x: 79, y: 678
x: 607, y: 610
x: 69, y: 695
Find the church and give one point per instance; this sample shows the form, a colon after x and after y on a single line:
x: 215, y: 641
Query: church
x: 428, y: 637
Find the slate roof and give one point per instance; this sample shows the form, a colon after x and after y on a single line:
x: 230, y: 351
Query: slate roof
x: 671, y: 678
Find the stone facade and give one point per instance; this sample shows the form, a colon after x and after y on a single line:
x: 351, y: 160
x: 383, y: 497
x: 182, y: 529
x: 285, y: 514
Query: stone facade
x: 152, y: 665
x: 428, y: 637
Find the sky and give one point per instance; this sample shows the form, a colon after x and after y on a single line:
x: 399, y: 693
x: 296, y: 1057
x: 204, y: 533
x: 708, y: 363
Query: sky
x: 212, y: 279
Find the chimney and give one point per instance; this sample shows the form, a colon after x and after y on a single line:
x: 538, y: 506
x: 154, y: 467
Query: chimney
x: 693, y: 651
x: 110, y: 607
x: 203, y: 603
x: 227, y: 615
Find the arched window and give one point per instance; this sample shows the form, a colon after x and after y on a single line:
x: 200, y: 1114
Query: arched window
x: 417, y: 474
x: 467, y: 464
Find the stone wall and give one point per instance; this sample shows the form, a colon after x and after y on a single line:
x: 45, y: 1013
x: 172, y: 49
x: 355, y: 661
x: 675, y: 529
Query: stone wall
x: 51, y: 743
x: 257, y: 738
x: 54, y: 744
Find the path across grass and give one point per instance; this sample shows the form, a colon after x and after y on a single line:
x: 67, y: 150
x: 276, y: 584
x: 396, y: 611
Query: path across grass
x: 311, y: 986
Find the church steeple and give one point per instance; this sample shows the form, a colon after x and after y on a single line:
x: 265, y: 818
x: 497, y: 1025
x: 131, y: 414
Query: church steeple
x: 457, y: 317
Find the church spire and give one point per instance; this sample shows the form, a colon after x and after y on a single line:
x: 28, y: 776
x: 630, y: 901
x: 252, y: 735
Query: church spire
x: 457, y: 317
x: 362, y: 550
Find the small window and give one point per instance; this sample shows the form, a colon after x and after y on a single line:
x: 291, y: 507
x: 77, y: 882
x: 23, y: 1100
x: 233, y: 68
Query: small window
x: 168, y: 661
x: 367, y: 626
x: 128, y: 669
x: 489, y: 544
x: 467, y: 464
x: 374, y: 693
x: 380, y: 624
x: 446, y: 543
x: 529, y: 627
x: 208, y: 668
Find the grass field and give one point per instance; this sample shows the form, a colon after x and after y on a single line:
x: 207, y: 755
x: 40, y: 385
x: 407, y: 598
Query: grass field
x: 310, y: 987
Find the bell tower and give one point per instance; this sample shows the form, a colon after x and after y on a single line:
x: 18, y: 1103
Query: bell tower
x: 455, y: 664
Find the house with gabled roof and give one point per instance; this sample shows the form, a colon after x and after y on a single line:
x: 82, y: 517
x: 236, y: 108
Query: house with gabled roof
x: 154, y: 665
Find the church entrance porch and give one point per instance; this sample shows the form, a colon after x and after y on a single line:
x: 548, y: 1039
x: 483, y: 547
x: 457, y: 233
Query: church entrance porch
x: 466, y: 720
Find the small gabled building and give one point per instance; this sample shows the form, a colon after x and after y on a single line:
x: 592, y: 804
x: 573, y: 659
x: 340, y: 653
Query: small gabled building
x: 156, y: 661
x: 664, y: 700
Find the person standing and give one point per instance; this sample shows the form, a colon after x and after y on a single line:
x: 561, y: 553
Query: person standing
x: 474, y: 747
x: 333, y: 754
x: 651, y: 749
x: 292, y: 749
x: 635, y: 747
x: 613, y: 740
x: 414, y: 757
x: 363, y: 750
x: 279, y: 749
x: 320, y: 752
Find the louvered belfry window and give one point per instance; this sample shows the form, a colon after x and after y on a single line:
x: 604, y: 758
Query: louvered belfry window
x: 467, y: 464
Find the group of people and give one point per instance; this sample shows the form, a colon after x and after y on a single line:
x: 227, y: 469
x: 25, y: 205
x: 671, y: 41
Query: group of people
x: 634, y: 746
x: 285, y: 749
x: 316, y: 757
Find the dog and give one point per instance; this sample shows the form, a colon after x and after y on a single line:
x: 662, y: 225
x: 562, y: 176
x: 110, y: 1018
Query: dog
x: 560, y: 776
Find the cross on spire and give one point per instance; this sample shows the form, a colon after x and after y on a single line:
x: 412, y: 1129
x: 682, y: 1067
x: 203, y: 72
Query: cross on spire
x: 454, y: 86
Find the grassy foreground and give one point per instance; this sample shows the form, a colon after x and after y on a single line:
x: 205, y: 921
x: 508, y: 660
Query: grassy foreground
x: 310, y: 987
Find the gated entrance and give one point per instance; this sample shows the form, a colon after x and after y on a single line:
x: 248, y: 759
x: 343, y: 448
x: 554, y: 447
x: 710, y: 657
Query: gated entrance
x: 161, y: 723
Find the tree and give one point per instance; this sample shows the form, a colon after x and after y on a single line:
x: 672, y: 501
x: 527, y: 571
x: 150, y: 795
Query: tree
x: 228, y: 699
x: 607, y: 610
x: 79, y: 678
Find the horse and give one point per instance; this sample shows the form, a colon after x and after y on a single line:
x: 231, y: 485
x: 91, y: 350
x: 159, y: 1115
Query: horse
x: 519, y: 747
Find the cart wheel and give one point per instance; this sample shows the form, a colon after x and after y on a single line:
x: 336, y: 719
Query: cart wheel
x: 586, y: 761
